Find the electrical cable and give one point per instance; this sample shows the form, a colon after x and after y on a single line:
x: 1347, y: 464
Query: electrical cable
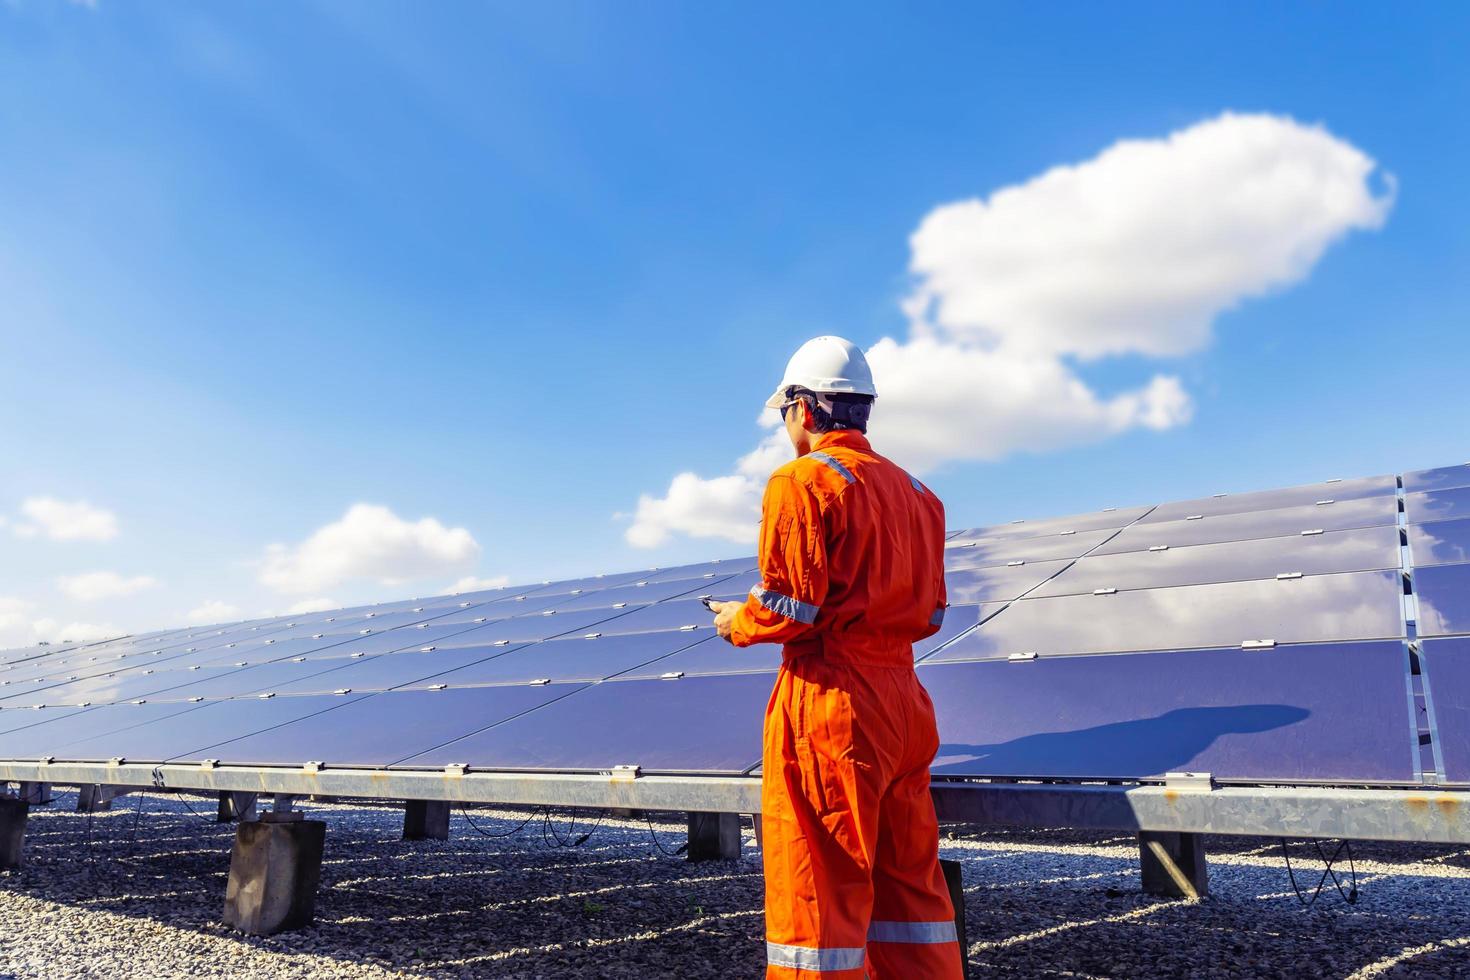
x: 1350, y: 896
x: 571, y: 826
x: 470, y: 820
x: 676, y: 852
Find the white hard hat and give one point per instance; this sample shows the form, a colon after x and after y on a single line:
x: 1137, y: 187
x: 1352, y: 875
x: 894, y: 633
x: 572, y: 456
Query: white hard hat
x: 828, y: 365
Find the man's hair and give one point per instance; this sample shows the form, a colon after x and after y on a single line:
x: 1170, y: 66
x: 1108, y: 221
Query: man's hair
x: 848, y: 411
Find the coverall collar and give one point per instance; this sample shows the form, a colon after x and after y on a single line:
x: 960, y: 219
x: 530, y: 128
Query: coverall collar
x: 845, y: 438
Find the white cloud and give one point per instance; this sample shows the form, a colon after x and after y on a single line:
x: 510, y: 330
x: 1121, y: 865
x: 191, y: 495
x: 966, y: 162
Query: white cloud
x: 91, y: 586
x: 313, y: 605
x: 62, y: 520
x: 369, y: 542
x: 477, y: 583
x: 212, y: 611
x: 53, y: 631
x: 15, y: 627
x: 1136, y: 251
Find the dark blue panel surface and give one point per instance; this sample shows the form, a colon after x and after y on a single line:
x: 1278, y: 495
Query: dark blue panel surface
x: 1097, y: 521
x: 570, y: 660
x: 1439, y: 478
x: 13, y: 718
x: 1336, y: 551
x: 100, y: 726
x: 1445, y: 665
x: 1314, y: 713
x: 1437, y: 505
x: 1349, y: 606
x: 998, y: 583
x: 697, y: 724
x: 384, y: 728
x: 389, y: 670
x: 1435, y: 543
x: 711, y: 655
x: 1337, y: 516
x: 700, y: 570
x: 671, y: 615
x: 1237, y: 503
x: 1444, y: 599
x: 976, y: 554
x: 628, y: 596
x: 535, y: 626
x: 192, y: 729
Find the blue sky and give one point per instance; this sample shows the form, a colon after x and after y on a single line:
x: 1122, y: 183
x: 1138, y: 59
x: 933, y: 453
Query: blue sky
x: 513, y: 267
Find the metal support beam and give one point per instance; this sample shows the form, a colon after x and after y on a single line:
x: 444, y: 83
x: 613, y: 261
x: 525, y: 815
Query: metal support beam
x: 425, y: 820
x: 713, y: 837
x: 236, y: 806
x: 1424, y: 815
x: 13, y: 814
x: 1173, y: 864
x: 955, y: 883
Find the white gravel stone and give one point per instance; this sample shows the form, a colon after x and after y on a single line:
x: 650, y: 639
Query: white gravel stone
x: 138, y: 892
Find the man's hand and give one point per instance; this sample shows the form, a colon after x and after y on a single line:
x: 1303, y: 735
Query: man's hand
x: 725, y: 616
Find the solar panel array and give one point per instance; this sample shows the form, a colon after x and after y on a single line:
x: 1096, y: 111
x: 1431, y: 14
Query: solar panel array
x: 1261, y: 637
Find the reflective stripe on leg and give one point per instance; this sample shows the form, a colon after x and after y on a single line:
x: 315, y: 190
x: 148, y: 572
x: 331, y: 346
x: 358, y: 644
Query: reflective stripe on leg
x: 912, y: 932
x: 816, y: 960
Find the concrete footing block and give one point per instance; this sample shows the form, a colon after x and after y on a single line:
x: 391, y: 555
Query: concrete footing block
x: 236, y: 806
x: 93, y: 797
x: 1173, y: 864
x: 425, y: 820
x: 713, y: 837
x: 956, y: 886
x: 36, y: 794
x: 274, y: 871
x: 13, y: 814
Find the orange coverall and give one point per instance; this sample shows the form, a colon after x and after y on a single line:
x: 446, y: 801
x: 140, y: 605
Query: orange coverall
x: 852, y: 573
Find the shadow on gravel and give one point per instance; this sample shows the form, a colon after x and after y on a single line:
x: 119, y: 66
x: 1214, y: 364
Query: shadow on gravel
x: 1053, y: 903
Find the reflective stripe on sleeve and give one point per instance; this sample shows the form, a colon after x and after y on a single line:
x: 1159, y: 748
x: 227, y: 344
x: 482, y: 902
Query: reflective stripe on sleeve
x: 912, y: 932
x: 784, y: 605
x: 818, y: 960
x: 938, y: 618
x: 917, y: 485
x: 828, y: 460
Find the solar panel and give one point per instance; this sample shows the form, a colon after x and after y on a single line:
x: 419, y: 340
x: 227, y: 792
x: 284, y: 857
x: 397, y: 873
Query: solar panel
x: 1347, y: 606
x: 1327, y: 712
x: 1071, y: 650
x: 1196, y: 528
x: 1236, y: 503
x: 1437, y: 505
x: 705, y: 724
x: 1443, y: 593
x: 999, y: 583
x: 1439, y: 478
x: 1446, y: 669
x: 1292, y: 555
x: 709, y: 656
x: 382, y: 728
x: 1439, y: 542
x: 1100, y: 520
x: 977, y: 554
x: 581, y: 659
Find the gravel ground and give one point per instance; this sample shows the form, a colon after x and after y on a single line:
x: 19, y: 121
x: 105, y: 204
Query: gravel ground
x: 138, y: 891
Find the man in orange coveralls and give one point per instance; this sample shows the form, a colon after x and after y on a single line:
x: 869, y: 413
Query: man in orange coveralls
x: 852, y: 573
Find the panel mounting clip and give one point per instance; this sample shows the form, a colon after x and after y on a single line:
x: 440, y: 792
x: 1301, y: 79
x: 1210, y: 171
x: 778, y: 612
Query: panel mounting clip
x: 1110, y: 590
x: 626, y: 774
x: 1284, y: 576
x: 1019, y: 658
x: 312, y: 768
x: 116, y: 760
x: 456, y: 769
x: 1312, y: 531
x: 208, y: 764
x: 1258, y: 645
x: 1189, y: 782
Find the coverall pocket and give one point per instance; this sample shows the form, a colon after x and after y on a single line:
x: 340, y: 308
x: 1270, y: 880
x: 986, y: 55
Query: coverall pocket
x: 812, y: 783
